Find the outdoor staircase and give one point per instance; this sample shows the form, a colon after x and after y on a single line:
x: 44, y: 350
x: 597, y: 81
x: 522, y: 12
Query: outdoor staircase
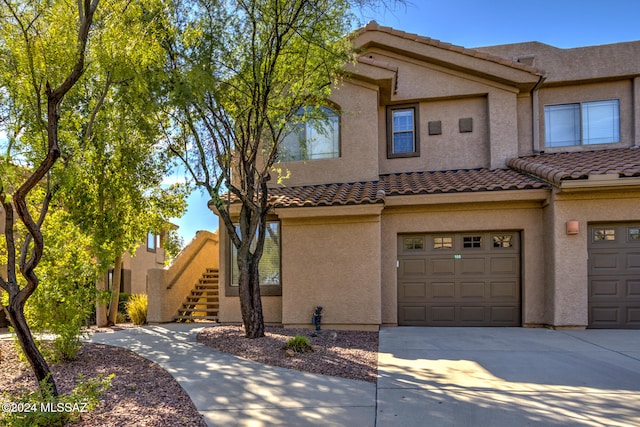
x: 203, y: 301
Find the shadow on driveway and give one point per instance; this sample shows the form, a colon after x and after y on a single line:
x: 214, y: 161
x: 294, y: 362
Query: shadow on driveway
x: 508, y: 377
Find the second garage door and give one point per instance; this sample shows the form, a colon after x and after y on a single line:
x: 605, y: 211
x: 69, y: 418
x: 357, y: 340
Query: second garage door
x: 459, y: 279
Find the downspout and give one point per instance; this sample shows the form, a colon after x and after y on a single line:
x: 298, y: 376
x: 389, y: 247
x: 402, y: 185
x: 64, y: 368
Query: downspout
x: 536, y: 115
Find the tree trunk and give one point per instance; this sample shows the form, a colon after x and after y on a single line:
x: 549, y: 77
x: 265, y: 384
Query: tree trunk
x: 101, y: 306
x: 31, y: 352
x: 115, y: 291
x: 250, y: 302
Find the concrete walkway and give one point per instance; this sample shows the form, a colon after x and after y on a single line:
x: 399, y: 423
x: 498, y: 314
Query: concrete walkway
x: 508, y: 377
x: 231, y: 391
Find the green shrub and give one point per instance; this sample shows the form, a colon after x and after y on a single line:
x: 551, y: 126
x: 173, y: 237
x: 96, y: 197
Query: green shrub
x: 41, y: 408
x: 137, y: 308
x: 299, y: 344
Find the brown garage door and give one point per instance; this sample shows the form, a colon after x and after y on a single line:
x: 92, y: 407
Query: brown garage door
x: 614, y: 276
x: 459, y: 279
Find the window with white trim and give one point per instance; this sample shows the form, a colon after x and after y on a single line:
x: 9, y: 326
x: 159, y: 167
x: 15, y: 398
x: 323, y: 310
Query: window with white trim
x: 403, y: 131
x: 585, y: 123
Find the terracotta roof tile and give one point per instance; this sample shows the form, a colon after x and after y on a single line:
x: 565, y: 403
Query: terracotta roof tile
x: 360, y: 193
x: 557, y: 167
x: 456, y: 181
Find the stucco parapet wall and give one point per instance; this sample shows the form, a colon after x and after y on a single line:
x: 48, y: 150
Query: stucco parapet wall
x: 434, y: 51
x: 580, y: 64
x: 591, y: 168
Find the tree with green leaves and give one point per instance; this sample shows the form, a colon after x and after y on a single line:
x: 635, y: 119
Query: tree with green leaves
x: 102, y: 167
x: 43, y: 55
x: 244, y: 74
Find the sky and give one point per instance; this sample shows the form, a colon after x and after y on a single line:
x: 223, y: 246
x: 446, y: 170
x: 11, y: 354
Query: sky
x: 475, y: 23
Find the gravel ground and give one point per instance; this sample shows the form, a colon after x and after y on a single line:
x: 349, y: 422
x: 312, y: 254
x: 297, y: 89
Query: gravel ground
x: 143, y: 394
x: 347, y: 354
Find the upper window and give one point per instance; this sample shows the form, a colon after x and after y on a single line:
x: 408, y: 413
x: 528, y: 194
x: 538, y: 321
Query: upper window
x: 402, y: 131
x: 314, y: 138
x: 582, y: 124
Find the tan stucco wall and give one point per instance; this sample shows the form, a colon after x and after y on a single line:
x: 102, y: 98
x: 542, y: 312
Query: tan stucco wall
x: 523, y: 216
x: 451, y: 149
x: 333, y: 262
x: 142, y: 261
x: 448, y: 96
x: 568, y: 273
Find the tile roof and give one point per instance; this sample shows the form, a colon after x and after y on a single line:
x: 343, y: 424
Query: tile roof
x: 374, y: 26
x: 410, y: 183
x: 456, y: 181
x: 557, y: 167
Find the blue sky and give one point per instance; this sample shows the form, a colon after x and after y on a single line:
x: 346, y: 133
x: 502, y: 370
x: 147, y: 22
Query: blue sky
x: 474, y: 23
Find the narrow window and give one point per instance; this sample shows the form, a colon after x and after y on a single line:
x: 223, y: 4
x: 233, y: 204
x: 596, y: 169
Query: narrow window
x: 402, y: 131
x: 152, y: 242
x: 503, y: 241
x: 604, y: 234
x: 472, y: 242
x: 413, y: 243
x: 443, y: 242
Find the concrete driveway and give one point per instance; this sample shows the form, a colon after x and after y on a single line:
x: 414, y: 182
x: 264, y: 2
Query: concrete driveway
x: 508, y: 377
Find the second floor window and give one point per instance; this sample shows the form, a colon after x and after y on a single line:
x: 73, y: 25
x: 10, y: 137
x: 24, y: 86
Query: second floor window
x: 402, y: 131
x: 583, y: 123
x: 313, y: 139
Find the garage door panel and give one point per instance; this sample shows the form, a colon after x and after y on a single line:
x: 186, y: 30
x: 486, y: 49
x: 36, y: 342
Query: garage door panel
x: 472, y: 265
x: 413, y: 290
x: 443, y: 266
x: 443, y: 313
x: 632, y: 262
x: 504, y: 314
x: 504, y: 265
x: 472, y: 290
x: 633, y: 316
x: 472, y: 314
x: 414, y: 314
x: 443, y: 290
x: 614, y: 269
x: 413, y: 267
x: 471, y: 279
x: 604, y: 288
x: 605, y: 261
x: 633, y: 288
x: 603, y: 315
x: 504, y: 290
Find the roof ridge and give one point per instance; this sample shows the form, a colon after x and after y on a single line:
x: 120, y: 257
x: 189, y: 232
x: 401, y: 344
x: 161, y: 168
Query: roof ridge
x: 374, y: 26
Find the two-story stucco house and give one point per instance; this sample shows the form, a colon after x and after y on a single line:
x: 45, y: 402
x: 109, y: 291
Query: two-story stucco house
x: 495, y: 186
